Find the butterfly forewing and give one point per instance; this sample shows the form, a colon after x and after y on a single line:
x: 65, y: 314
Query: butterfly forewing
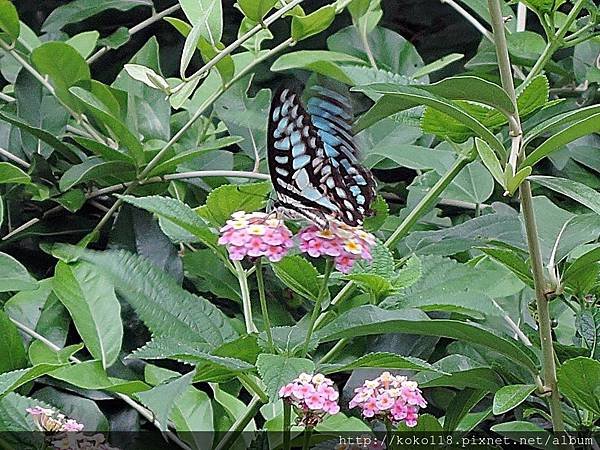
x: 313, y: 158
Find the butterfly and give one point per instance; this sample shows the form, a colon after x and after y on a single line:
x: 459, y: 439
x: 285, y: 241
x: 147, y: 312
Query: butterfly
x: 313, y: 158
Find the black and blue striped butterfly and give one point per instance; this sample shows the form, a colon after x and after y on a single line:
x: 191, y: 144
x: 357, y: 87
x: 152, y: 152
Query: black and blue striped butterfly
x: 313, y: 159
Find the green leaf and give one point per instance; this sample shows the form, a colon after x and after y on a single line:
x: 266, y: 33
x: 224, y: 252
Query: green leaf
x: 532, y: 96
x: 9, y: 19
x: 521, y: 427
x: 222, y: 202
x: 509, y: 397
x: 313, y: 23
x: 462, y: 402
x: 511, y: 260
x: 15, y: 418
x: 104, y: 151
x: 64, y: 66
x: 588, y: 328
x: 14, y: 276
x: 255, y: 10
x: 79, y: 10
x: 276, y: 371
x: 318, y: 61
x: 84, y: 43
x: 370, y: 282
x: 581, y: 265
x: 578, y: 380
x: 10, y: 174
x: 147, y: 76
x: 490, y: 160
x: 95, y: 169
x: 164, y: 306
x: 399, y: 98
x: 193, y: 418
x: 371, y: 320
x: 513, y: 182
x: 40, y: 353
x: 234, y: 409
x: 438, y: 64
x: 101, y: 112
x: 162, y: 398
x: 90, y: 298
x: 473, y: 89
x: 556, y: 121
x: 459, y: 372
x: 573, y: 189
x: 207, y: 15
x: 299, y: 275
x: 383, y: 360
x: 11, y: 346
x: 583, y: 127
x: 9, y: 381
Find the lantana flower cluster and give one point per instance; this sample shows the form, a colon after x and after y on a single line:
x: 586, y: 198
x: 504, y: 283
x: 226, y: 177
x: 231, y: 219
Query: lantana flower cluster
x: 313, y: 397
x: 258, y: 234
x: 255, y: 235
x: 389, y: 397
x: 66, y: 434
x: 344, y: 243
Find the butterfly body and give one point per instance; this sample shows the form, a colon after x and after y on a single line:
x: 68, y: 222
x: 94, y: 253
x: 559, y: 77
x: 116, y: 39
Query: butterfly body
x: 313, y: 160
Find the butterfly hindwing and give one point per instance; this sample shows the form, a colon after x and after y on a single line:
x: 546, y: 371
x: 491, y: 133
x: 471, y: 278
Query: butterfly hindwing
x: 313, y: 158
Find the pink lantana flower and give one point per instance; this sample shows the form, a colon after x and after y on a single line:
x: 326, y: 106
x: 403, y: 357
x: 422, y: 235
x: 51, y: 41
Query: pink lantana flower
x: 389, y: 398
x: 344, y: 243
x: 254, y: 235
x: 47, y: 419
x: 312, y: 396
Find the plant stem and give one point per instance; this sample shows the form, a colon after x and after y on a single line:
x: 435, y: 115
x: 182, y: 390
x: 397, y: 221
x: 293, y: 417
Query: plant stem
x: 340, y: 345
x: 287, y: 418
x: 409, y: 221
x: 542, y: 303
x: 554, y: 42
x: 146, y: 413
x: 240, y: 424
x: 307, y: 435
x: 535, y: 255
x: 13, y: 158
x: 263, y: 304
x: 472, y: 20
x: 246, y: 305
x: 317, y: 306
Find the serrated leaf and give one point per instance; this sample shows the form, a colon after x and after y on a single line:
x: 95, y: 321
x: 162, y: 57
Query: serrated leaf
x: 222, y: 202
x: 383, y: 360
x: 409, y: 274
x: 164, y: 306
x: 276, y: 371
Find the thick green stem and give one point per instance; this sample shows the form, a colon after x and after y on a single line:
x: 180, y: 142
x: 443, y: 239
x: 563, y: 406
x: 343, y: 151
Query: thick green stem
x: 239, y: 425
x: 341, y: 344
x: 287, y: 419
x: 317, y: 307
x: 307, y: 435
x: 246, y: 304
x: 545, y: 327
x: 263, y: 305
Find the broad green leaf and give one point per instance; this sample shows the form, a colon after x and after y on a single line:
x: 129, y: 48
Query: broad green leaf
x: 207, y: 15
x: 162, y: 398
x: 102, y: 113
x: 299, y: 275
x: 589, y: 125
x: 9, y: 381
x: 511, y: 260
x: 375, y: 284
x: 40, y: 353
x: 521, y: 427
x: 90, y: 298
x: 11, y: 346
x: 400, y: 98
x: 460, y: 372
x: 381, y: 211
x: 490, y: 160
x: 462, y: 402
x: 95, y: 169
x: 438, y: 64
x: 318, y: 61
x: 578, y: 381
x: 234, y: 409
x: 104, y: 151
x: 147, y: 76
x: 509, y: 397
x: 571, y: 188
x: 581, y: 265
x: 164, y: 306
x: 409, y: 274
x: 277, y: 371
x: 255, y: 10
x: 474, y: 89
x: 532, y: 96
x: 79, y: 10
x: 371, y: 320
x: 116, y: 39
x: 381, y: 360
x: 211, y: 274
x: 588, y: 328
x: 9, y: 19
x: 313, y: 23
x: 222, y: 202
x: 64, y: 66
x: 84, y: 43
x: 10, y: 174
x: 14, y: 276
x: 193, y: 418
x: 382, y: 262
x: 41, y: 134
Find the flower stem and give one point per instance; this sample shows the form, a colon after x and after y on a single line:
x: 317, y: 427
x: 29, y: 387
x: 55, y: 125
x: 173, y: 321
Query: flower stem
x: 317, y: 307
x: 307, y: 435
x: 263, y: 304
x: 239, y: 425
x: 340, y: 345
x: 287, y: 418
x: 246, y: 304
